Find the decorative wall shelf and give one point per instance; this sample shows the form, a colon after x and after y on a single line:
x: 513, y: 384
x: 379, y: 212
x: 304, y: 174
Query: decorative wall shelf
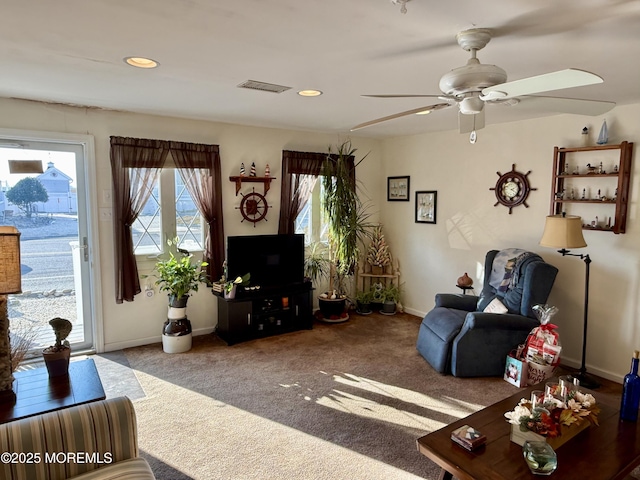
x: 240, y: 179
x: 564, y: 157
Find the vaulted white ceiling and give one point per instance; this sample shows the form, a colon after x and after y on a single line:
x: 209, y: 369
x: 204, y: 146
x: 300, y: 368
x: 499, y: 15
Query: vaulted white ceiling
x: 71, y: 51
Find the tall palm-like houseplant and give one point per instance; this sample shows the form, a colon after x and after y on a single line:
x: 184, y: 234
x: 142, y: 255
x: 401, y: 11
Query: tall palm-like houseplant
x: 346, y: 218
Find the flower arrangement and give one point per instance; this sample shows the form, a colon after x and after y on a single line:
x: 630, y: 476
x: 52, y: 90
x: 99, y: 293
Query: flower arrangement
x: 229, y: 285
x: 548, y: 418
x: 243, y: 281
x: 378, y: 254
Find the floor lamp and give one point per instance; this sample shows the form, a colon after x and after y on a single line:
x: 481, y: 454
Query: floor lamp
x: 10, y: 282
x: 565, y: 232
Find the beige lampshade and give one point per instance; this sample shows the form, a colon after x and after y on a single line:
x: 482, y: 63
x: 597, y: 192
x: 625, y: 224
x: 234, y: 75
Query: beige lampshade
x: 10, y: 278
x: 563, y: 232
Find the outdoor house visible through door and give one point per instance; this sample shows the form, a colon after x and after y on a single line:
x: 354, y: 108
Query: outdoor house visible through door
x: 50, y: 210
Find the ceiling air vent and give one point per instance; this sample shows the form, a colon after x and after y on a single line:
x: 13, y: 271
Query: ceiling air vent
x: 263, y: 87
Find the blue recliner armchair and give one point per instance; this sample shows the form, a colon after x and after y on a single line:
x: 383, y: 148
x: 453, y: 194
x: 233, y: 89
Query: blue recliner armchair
x: 457, y: 337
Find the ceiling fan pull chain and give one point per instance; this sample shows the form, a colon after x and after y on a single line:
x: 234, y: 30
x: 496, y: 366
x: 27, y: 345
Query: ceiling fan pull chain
x: 403, y: 3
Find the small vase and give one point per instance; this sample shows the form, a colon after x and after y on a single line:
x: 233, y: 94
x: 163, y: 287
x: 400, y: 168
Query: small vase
x: 230, y: 294
x: 377, y: 270
x: 465, y: 281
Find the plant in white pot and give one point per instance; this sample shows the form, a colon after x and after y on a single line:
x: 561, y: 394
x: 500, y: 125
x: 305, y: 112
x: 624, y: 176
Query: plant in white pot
x: 178, y: 276
x: 56, y: 357
x: 231, y: 285
x: 347, y: 221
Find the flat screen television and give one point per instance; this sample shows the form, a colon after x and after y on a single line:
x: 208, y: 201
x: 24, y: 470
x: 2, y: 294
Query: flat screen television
x: 272, y: 260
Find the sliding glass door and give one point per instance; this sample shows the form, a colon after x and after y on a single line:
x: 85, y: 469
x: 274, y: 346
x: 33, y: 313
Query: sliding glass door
x: 50, y: 211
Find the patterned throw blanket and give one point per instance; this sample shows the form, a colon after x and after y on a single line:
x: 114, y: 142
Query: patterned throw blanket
x: 505, y: 272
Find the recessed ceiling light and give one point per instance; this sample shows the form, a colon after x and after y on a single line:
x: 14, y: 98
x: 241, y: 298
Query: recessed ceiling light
x: 141, y: 62
x: 309, y: 93
x: 424, y: 112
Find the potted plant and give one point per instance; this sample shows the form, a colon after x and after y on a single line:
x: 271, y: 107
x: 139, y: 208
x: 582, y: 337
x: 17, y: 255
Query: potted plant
x: 391, y: 296
x: 347, y: 227
x: 231, y: 286
x: 56, y: 357
x: 316, y: 262
x: 179, y: 276
x: 363, y: 302
x: 378, y: 255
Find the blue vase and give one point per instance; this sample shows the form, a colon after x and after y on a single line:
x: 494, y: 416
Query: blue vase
x: 631, y: 392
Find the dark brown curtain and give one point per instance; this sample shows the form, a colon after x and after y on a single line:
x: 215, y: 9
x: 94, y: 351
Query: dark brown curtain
x: 135, y: 166
x: 199, y: 167
x: 300, y: 171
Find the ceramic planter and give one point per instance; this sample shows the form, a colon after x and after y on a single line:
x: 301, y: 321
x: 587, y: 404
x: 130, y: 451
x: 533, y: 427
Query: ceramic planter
x: 176, y: 332
x: 333, y: 310
x: 363, y: 308
x: 231, y: 294
x: 57, y: 362
x: 388, y: 307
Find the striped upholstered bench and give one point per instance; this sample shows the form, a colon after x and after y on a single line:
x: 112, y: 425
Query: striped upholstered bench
x: 87, y: 442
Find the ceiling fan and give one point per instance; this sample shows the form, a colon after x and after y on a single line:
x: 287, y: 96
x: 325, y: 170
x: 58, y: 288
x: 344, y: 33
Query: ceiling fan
x: 472, y: 86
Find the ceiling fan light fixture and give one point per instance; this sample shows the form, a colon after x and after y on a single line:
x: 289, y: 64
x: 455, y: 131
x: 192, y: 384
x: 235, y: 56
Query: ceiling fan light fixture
x: 471, y: 105
x: 424, y: 112
x: 141, y: 62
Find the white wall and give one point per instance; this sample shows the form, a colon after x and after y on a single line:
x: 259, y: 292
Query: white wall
x: 140, y: 322
x: 432, y: 257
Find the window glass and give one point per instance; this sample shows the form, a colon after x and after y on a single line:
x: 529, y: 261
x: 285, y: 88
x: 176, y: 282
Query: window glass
x: 312, y: 219
x: 170, y: 212
x: 188, y: 218
x: 147, y: 228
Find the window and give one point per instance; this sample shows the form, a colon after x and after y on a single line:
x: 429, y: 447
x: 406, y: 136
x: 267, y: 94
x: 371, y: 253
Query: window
x: 169, y: 212
x: 312, y: 220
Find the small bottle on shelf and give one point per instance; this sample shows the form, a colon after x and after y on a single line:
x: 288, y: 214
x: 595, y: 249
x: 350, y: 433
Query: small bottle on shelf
x: 631, y: 392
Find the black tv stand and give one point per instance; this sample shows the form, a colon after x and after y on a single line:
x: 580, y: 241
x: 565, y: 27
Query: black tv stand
x: 262, y: 313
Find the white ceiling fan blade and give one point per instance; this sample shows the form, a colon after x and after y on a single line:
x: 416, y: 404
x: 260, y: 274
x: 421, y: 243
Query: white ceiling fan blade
x: 437, y: 106
x: 568, y: 78
x: 470, y: 123
x: 403, y: 96
x: 567, y: 105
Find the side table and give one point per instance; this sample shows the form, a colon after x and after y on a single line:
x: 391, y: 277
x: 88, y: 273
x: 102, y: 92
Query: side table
x: 36, y: 393
x: 464, y: 289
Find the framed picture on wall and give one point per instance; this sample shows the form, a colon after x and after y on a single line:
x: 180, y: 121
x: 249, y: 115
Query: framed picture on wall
x: 398, y: 189
x: 426, y: 203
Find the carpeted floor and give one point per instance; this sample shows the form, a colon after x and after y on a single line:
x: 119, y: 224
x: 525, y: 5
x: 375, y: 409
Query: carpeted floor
x: 341, y: 401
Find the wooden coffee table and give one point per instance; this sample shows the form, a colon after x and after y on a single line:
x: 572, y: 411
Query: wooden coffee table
x: 608, y: 451
x: 36, y: 393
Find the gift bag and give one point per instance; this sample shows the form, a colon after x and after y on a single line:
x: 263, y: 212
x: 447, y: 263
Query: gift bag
x: 542, y: 348
x: 515, y: 370
x: 543, y: 342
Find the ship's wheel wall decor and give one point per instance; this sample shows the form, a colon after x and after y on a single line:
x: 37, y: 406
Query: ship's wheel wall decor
x: 253, y: 207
